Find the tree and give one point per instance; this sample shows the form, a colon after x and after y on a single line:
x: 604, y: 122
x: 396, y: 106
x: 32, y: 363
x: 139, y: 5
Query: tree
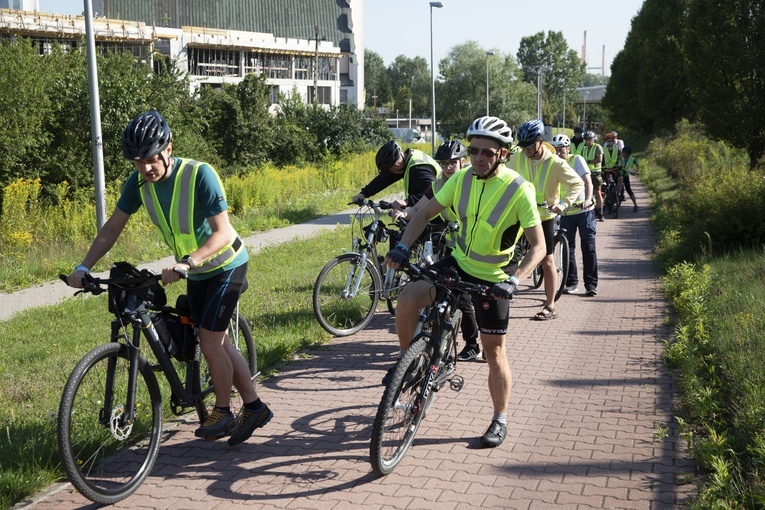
x: 413, y: 73
x: 726, y: 70
x: 377, y: 85
x: 560, y: 71
x: 648, y: 89
x: 461, y: 96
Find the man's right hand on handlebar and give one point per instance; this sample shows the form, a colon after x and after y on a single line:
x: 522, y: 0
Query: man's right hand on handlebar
x: 75, y: 278
x: 397, y: 257
x: 357, y: 199
x: 503, y: 290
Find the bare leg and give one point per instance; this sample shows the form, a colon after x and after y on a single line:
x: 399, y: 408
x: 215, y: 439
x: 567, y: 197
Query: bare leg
x: 500, y: 377
x: 227, y: 367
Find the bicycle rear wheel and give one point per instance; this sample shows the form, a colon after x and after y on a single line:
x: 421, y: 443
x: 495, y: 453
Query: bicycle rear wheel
x: 561, y: 260
x: 615, y: 206
x: 401, y: 279
x: 337, y: 311
x: 240, y: 336
x: 400, y: 410
x: 537, y: 276
x: 106, y: 457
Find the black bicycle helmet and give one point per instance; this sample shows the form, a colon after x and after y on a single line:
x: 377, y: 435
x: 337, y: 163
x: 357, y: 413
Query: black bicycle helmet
x: 449, y: 150
x: 146, y: 136
x: 578, y: 129
x: 531, y: 132
x: 387, y: 156
x: 627, y: 149
x: 491, y: 127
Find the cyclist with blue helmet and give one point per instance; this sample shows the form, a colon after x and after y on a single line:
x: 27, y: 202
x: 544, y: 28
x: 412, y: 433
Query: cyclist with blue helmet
x: 539, y: 164
x: 186, y: 201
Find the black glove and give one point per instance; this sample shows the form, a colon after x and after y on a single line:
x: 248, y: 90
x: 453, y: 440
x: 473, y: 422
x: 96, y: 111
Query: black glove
x: 504, y: 290
x: 399, y: 255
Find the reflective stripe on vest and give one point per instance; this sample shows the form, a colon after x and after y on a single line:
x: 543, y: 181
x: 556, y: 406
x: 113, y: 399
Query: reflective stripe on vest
x: 179, y: 234
x: 419, y: 158
x: 544, y: 173
x: 500, y: 209
x: 589, y: 153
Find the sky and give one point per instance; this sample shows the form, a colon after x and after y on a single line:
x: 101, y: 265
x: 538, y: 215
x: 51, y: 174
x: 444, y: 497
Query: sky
x: 402, y: 27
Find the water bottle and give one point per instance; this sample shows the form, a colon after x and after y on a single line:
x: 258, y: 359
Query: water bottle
x: 164, y: 334
x: 427, y: 252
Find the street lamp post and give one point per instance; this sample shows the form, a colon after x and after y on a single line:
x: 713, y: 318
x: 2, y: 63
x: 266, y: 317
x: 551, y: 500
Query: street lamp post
x: 488, y: 54
x: 433, y: 82
x: 396, y: 119
x: 584, y: 121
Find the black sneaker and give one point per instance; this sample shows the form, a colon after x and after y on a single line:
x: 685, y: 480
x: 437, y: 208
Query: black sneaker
x: 217, y: 425
x: 469, y: 352
x: 591, y: 291
x: 494, y: 435
x: 247, y: 423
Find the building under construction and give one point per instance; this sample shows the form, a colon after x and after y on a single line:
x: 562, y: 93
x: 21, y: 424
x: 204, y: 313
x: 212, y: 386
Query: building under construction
x: 312, y: 47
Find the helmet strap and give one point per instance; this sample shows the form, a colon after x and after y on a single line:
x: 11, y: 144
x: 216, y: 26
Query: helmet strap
x: 166, y: 163
x: 491, y: 172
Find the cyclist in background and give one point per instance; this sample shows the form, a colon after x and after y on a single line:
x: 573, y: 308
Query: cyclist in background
x: 393, y: 164
x: 451, y: 157
x: 496, y: 203
x: 612, y: 158
x: 593, y: 154
x: 630, y: 165
x: 580, y: 217
x: 172, y: 190
x: 577, y: 142
x: 539, y: 165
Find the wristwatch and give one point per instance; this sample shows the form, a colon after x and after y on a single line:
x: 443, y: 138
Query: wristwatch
x: 186, y: 259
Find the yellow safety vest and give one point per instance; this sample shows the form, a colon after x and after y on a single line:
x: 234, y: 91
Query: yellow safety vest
x: 589, y: 153
x: 448, y: 214
x: 539, y: 182
x: 578, y: 149
x: 479, y: 238
x: 179, y: 234
x: 611, y: 156
x: 419, y: 158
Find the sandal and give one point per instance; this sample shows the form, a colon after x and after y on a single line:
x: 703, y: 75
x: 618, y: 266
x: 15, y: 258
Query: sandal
x: 546, y: 314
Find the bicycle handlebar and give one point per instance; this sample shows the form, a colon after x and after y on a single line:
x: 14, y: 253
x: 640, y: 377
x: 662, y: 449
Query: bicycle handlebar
x: 97, y: 286
x: 382, y: 204
x: 448, y: 281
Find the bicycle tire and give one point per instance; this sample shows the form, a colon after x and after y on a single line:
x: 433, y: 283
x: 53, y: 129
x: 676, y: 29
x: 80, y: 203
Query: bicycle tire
x: 616, y: 206
x: 561, y: 260
x: 396, y: 422
x: 343, y: 316
x: 537, y: 276
x: 401, y: 279
x: 104, y: 459
x: 240, y: 336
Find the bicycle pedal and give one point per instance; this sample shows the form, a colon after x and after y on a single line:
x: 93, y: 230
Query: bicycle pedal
x: 456, y: 383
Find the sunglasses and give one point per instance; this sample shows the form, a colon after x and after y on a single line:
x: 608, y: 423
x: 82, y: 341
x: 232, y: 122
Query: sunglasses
x: 486, y: 153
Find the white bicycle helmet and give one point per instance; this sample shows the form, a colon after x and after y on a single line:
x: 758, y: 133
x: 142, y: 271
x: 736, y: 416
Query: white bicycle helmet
x: 560, y: 141
x: 491, y: 127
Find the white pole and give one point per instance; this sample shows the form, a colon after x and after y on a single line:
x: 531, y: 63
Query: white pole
x: 95, y: 119
x: 433, y: 82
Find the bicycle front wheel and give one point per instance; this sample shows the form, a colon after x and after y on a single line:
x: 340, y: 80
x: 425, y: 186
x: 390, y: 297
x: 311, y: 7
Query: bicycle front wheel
x: 400, y: 411
x: 240, y: 336
x: 561, y: 260
x: 337, y: 309
x: 105, y: 455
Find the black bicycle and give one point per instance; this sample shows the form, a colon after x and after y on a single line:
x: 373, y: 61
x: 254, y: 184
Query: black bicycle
x: 611, y: 202
x: 110, y: 415
x: 349, y: 287
x: 427, y: 365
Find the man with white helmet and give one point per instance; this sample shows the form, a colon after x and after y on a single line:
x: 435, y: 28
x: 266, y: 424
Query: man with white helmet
x: 494, y: 204
x: 580, y: 217
x: 539, y: 164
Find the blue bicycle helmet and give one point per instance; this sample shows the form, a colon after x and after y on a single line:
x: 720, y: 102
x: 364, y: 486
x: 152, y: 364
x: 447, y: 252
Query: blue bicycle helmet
x: 146, y: 136
x: 531, y: 132
x: 449, y: 150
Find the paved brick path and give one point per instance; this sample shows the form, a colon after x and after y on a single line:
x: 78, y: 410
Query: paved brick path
x: 590, y: 399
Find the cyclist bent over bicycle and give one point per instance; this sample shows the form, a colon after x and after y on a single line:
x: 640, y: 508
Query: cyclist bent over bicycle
x: 494, y: 203
x: 186, y: 201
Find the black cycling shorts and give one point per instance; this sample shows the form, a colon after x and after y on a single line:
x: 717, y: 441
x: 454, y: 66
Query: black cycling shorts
x: 492, y: 315
x: 213, y: 301
x: 548, y: 228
